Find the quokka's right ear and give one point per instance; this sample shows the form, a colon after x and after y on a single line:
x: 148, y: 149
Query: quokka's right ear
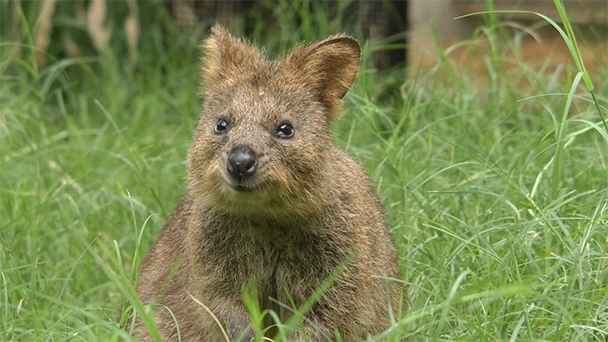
x: 329, y: 67
x: 225, y: 55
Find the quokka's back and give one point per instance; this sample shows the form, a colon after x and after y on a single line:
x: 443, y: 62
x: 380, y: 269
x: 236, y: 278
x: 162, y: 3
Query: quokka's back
x: 272, y: 202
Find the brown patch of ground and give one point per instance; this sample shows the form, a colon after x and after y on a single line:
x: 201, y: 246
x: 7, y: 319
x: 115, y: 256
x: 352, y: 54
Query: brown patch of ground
x: 544, y: 55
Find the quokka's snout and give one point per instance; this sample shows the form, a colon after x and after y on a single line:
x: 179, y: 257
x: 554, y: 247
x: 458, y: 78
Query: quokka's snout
x: 241, y: 163
x: 273, y: 203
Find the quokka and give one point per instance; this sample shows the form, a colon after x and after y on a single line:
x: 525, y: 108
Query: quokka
x: 271, y: 201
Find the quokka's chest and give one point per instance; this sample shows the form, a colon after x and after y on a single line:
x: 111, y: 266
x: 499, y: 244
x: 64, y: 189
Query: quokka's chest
x: 276, y: 261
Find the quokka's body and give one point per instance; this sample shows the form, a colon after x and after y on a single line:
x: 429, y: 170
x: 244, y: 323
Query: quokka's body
x: 272, y: 202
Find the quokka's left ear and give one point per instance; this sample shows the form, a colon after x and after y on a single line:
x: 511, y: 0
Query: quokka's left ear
x: 329, y: 67
x: 226, y: 56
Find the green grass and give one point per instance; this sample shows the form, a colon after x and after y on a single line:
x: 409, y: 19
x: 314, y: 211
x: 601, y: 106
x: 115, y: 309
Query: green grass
x: 497, y: 194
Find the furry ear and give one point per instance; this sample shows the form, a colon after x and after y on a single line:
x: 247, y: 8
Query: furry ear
x: 225, y: 55
x: 329, y: 67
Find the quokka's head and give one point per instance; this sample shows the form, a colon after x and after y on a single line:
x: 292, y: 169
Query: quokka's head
x: 263, y: 144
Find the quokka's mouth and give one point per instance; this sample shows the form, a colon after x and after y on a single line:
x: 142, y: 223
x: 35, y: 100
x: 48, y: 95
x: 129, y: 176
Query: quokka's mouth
x: 242, y: 185
x: 242, y: 188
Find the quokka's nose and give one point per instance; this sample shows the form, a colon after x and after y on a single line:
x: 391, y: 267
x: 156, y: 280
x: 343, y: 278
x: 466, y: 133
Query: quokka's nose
x: 241, y: 162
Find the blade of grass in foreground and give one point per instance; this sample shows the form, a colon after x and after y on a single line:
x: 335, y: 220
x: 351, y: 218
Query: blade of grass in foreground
x: 124, y: 285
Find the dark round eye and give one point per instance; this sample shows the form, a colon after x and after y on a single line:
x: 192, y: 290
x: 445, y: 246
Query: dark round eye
x: 285, y: 130
x: 221, y: 126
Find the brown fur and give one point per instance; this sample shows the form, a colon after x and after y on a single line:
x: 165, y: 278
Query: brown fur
x: 311, y: 209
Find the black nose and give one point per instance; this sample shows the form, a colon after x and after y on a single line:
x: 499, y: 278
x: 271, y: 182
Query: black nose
x: 241, y: 162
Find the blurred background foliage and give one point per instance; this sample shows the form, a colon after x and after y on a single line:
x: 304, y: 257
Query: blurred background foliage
x: 60, y: 29
x: 61, y: 45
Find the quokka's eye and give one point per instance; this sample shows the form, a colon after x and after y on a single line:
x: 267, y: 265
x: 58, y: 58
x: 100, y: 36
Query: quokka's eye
x: 221, y: 126
x: 285, y: 130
